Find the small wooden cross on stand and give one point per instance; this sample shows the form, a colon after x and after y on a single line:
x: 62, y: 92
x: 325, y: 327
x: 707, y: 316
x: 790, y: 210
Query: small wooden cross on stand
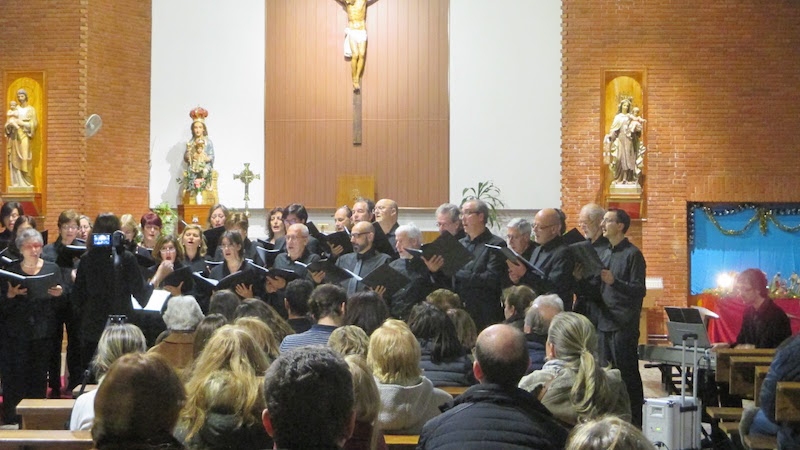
x: 246, y: 176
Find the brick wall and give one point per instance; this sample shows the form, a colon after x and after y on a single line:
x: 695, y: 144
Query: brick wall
x: 723, y: 101
x: 96, y: 59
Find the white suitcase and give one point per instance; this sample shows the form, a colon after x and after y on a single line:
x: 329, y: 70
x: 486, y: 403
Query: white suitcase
x: 674, y: 422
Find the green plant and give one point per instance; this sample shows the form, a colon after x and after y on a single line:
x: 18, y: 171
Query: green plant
x: 169, y: 218
x: 490, y: 194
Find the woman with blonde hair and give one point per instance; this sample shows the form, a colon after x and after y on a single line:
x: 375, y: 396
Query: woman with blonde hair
x: 203, y: 422
x: 608, y: 433
x: 116, y: 340
x: 408, y: 399
x: 367, y: 404
x: 259, y: 331
x: 571, y: 384
x: 349, y: 340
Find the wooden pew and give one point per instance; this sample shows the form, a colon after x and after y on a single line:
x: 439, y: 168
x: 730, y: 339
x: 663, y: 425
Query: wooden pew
x: 40, y: 439
x: 77, y: 390
x: 44, y: 414
x: 724, y: 358
x: 787, y: 401
x: 455, y: 391
x: 742, y: 374
x: 401, y: 441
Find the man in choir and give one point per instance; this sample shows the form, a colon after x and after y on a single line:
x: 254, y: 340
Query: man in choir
x: 386, y: 216
x: 297, y: 214
x: 448, y: 218
x: 364, y: 258
x: 296, y: 251
x: 478, y: 282
x: 623, y: 291
x: 424, y: 273
x: 342, y: 218
x: 518, y: 238
x: 588, y: 300
x: 362, y: 210
x: 553, y: 257
x: 309, y: 397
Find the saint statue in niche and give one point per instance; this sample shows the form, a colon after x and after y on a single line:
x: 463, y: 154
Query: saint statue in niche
x: 199, y: 178
x: 20, y: 128
x: 623, y: 148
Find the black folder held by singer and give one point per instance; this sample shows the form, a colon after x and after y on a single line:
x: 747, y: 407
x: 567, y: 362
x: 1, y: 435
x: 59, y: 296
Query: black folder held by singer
x: 510, y: 255
x: 37, y: 285
x: 447, y: 246
x: 246, y: 277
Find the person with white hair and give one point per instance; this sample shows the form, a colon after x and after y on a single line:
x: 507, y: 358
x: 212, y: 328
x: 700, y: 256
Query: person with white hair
x: 537, y: 323
x: 182, y: 316
x: 424, y: 274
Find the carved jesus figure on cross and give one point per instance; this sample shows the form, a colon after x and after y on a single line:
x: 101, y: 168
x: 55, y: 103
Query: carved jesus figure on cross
x: 355, y: 37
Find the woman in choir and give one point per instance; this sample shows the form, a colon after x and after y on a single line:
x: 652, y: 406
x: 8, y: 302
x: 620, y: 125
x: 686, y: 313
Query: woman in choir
x: 572, y: 384
x: 443, y: 360
x: 66, y: 260
x: 151, y: 229
x: 168, y: 255
x: 276, y: 228
x: 408, y: 399
x: 239, y: 223
x: 21, y: 224
x: 28, y: 324
x: 130, y: 229
x: 226, y: 397
x: 9, y: 213
x: 137, y: 405
x: 232, y: 247
x: 194, y: 246
x: 116, y: 341
x: 217, y: 216
x: 84, y: 227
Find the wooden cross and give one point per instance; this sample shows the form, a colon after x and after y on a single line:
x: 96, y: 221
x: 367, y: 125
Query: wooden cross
x: 246, y: 176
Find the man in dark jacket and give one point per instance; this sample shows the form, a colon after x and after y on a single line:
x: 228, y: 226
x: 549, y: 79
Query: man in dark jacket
x: 785, y: 367
x: 495, y: 413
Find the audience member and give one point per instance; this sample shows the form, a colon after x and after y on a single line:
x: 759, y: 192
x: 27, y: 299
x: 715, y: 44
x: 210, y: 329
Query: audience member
x: 537, y: 324
x: 408, y: 399
x: 116, y: 340
x: 349, y: 340
x: 608, y: 433
x: 367, y: 404
x: 253, y: 307
x: 466, y: 330
x: 572, y: 385
x: 443, y: 359
x: 125, y: 412
x: 296, y: 303
x: 495, y: 413
x: 309, y: 397
x: 205, y: 329
x: 516, y: 301
x: 182, y: 316
x: 263, y: 336
x: 365, y: 309
x: 785, y: 367
x: 327, y: 305
x: 444, y: 299
x: 224, y: 302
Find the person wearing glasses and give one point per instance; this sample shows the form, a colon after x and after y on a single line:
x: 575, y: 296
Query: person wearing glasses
x: 553, y: 257
x: 364, y: 258
x: 518, y: 238
x: 478, y: 282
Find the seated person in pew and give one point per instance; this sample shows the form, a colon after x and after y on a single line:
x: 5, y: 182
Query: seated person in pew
x: 608, y: 433
x: 785, y: 367
x: 295, y: 302
x: 137, y: 404
x: 495, y: 413
x: 117, y: 340
x: 444, y: 361
x: 310, y: 400
x: 366, y: 435
x: 765, y: 324
x: 537, y: 324
x: 366, y: 310
x: 349, y: 340
x: 327, y: 304
x: 572, y: 385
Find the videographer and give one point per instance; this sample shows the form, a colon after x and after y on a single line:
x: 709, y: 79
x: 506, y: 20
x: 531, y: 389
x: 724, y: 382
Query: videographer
x: 107, y: 277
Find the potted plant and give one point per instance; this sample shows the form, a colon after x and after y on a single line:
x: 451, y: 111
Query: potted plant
x: 490, y: 194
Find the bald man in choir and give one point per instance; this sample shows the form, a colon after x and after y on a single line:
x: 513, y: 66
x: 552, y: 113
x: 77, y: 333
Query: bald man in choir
x: 364, y: 258
x: 553, y: 257
x: 386, y: 215
x: 425, y: 275
x: 478, y: 282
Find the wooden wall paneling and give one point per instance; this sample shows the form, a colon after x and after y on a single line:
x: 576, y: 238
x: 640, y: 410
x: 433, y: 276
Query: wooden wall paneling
x: 405, y: 121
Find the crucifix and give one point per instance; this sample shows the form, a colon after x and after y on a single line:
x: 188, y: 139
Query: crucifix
x: 246, y: 176
x: 355, y: 48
